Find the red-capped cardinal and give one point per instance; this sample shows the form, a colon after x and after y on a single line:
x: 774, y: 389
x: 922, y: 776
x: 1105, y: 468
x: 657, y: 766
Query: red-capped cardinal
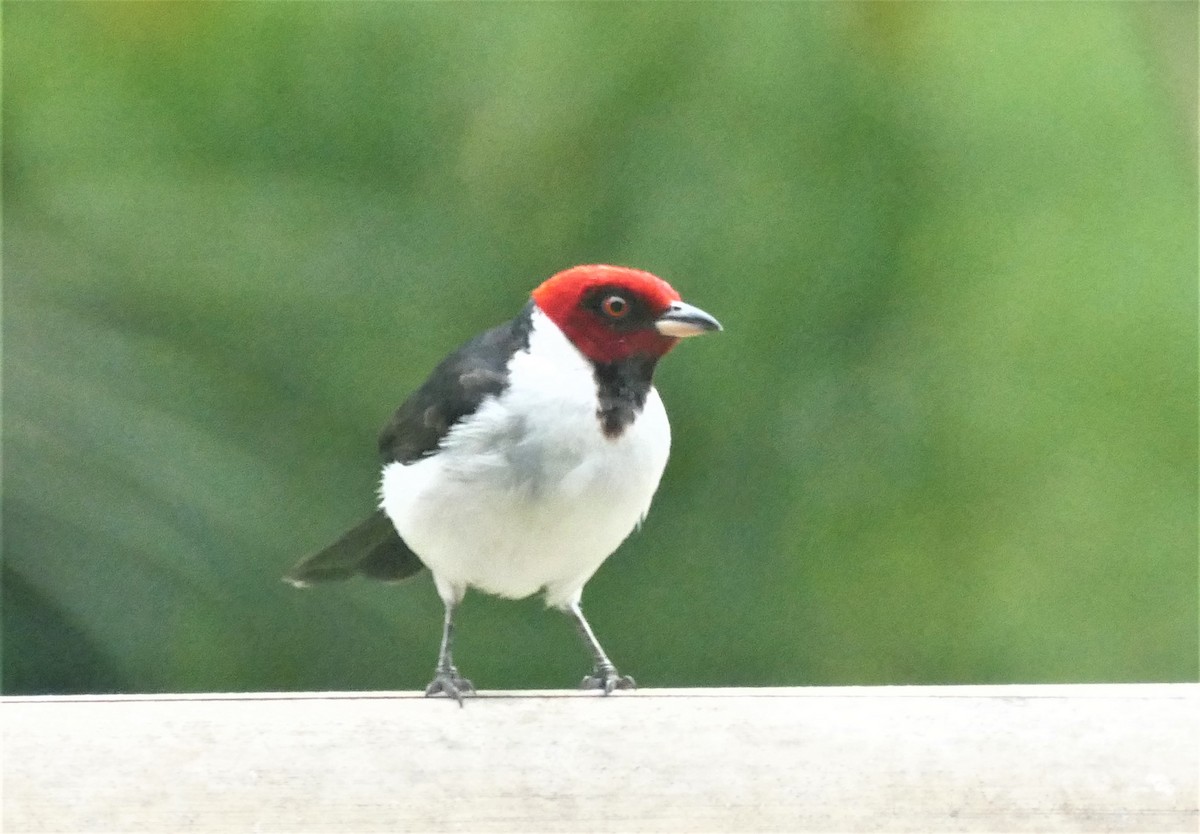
x: 527, y: 457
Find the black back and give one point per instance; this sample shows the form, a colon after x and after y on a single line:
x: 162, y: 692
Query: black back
x: 454, y: 390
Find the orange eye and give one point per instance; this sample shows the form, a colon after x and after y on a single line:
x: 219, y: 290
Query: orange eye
x: 614, y: 306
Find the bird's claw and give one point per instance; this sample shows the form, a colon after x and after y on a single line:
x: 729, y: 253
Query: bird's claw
x: 606, y: 678
x: 451, y: 684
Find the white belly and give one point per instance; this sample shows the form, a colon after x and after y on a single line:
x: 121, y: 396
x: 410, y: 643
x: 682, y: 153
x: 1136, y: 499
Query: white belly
x: 528, y: 493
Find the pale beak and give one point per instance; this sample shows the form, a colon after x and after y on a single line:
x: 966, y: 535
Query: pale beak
x: 682, y: 320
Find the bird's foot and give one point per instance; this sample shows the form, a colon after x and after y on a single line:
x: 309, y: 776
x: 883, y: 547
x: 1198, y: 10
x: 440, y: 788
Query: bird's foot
x: 448, y: 682
x: 606, y: 678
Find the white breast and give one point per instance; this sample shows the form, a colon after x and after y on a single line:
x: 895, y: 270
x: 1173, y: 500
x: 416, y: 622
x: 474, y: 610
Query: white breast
x: 528, y: 493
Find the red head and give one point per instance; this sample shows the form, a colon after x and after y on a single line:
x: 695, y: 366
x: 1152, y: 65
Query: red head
x: 611, y: 312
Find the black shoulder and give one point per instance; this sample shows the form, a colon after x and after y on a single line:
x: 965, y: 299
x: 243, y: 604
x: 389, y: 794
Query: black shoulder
x: 454, y: 390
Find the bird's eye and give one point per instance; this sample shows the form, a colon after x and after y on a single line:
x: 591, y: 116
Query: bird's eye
x: 614, y: 306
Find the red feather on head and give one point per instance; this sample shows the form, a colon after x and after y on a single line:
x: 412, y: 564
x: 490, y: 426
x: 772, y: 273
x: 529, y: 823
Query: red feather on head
x: 565, y: 297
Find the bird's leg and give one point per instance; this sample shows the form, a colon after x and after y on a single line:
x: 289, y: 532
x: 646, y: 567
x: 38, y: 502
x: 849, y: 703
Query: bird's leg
x: 446, y: 680
x: 604, y: 675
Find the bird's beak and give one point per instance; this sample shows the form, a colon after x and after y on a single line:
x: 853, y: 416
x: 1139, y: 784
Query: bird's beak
x: 682, y: 320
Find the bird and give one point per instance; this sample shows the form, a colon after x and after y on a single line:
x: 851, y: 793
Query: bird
x: 526, y: 457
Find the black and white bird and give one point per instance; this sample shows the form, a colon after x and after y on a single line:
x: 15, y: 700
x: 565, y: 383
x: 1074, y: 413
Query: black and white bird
x: 527, y: 456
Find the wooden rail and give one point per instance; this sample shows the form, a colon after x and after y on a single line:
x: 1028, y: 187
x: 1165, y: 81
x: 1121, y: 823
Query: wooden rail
x: 954, y: 758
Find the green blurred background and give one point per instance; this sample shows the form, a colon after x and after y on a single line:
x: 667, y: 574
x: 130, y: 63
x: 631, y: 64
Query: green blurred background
x: 949, y: 434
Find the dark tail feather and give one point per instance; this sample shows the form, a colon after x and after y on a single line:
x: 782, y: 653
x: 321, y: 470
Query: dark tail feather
x: 371, y: 548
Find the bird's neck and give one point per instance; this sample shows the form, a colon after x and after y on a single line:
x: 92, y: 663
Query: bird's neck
x: 621, y: 389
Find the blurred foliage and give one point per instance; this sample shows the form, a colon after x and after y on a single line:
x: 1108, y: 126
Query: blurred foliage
x: 949, y: 434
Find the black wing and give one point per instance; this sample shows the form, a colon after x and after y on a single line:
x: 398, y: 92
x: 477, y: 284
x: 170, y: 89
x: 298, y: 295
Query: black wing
x: 372, y: 549
x: 454, y: 390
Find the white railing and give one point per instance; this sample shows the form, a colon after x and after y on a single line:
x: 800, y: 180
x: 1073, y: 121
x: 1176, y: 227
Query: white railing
x: 953, y: 758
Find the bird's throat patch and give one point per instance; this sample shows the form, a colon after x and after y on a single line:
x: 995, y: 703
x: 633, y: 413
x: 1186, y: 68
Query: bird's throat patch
x: 621, y: 389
